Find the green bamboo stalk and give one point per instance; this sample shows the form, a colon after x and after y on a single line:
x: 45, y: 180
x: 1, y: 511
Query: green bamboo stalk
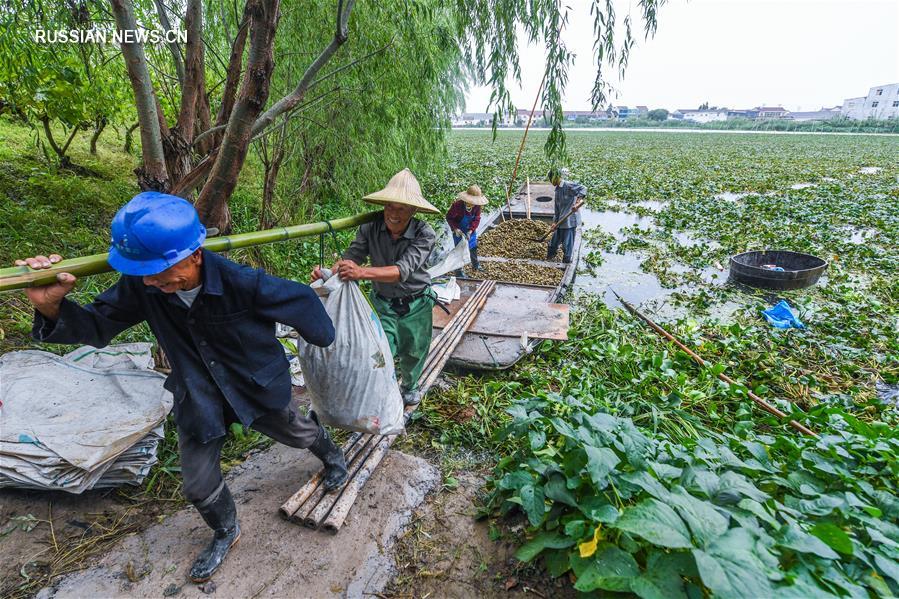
x: 19, y: 277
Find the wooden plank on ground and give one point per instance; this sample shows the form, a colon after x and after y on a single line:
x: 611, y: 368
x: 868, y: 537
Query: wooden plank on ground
x: 511, y: 318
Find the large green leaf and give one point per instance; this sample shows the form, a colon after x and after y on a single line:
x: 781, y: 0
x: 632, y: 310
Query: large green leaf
x: 888, y: 566
x: 533, y: 503
x: 656, y: 522
x: 798, y: 540
x: 635, y: 445
x: 822, y: 506
x: 732, y: 483
x: 834, y: 536
x: 731, y: 568
x: 705, y: 522
x: 648, y: 483
x: 543, y: 540
x: 599, y: 509
x: 556, y: 490
x: 611, y: 569
x: 515, y: 480
x: 664, y: 576
x: 601, y: 461
x: 803, y: 586
x: 556, y: 562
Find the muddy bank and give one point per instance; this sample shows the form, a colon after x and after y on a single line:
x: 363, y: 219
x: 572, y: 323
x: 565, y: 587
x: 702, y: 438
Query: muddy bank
x: 273, y: 557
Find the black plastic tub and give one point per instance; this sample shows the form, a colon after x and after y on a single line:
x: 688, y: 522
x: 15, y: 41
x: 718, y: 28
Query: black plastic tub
x: 799, y: 270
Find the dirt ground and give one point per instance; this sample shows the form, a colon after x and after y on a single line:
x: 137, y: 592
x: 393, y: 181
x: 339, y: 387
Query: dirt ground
x: 53, y: 532
x: 446, y: 552
x: 407, y: 536
x: 274, y: 557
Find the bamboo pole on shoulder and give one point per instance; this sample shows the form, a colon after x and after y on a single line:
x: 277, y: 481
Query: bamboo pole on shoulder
x: 20, y: 277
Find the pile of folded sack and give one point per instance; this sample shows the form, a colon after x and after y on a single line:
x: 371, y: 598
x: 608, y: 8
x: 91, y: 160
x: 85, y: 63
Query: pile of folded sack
x: 90, y: 419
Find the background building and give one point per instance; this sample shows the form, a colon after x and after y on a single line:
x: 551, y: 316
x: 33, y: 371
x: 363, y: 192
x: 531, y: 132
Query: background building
x: 882, y: 102
x: 701, y: 115
x: 771, y: 112
x: 814, y: 115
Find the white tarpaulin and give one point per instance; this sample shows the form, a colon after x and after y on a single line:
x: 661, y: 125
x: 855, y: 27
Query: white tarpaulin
x: 90, y: 418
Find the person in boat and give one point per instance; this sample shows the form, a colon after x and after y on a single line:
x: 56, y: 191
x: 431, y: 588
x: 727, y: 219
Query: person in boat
x: 567, y: 194
x: 463, y: 217
x: 398, y: 246
x: 215, y: 321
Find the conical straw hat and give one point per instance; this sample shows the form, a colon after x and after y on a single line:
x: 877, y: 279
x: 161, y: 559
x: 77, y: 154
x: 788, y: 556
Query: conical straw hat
x: 473, y: 196
x: 403, y: 188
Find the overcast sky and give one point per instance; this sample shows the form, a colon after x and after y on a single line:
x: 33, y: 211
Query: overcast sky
x: 801, y: 54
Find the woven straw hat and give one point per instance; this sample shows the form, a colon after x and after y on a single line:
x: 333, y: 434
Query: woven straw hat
x: 473, y: 196
x: 403, y: 188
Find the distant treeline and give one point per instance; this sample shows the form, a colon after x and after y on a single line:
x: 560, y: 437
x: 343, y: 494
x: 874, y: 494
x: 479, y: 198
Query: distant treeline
x: 838, y: 125
x: 832, y: 125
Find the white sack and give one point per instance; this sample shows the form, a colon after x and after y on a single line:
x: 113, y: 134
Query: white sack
x: 352, y: 382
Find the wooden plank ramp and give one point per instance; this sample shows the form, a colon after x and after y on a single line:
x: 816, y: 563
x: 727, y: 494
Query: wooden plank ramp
x: 313, y: 508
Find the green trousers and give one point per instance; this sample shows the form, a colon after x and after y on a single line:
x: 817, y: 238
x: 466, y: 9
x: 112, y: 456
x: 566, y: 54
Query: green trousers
x: 409, y: 336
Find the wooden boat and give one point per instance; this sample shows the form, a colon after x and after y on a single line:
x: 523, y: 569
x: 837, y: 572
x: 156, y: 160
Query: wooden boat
x: 494, y: 341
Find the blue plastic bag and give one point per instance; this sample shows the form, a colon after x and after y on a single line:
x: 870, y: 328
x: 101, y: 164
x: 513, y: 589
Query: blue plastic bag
x: 781, y: 316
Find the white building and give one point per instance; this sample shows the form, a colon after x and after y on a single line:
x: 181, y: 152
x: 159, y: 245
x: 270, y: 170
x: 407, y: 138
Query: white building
x: 882, y: 102
x: 705, y: 115
x: 479, y: 119
x: 771, y: 112
x: 824, y: 114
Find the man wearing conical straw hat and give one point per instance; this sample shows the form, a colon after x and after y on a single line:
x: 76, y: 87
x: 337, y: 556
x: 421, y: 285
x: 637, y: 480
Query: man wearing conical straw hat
x: 398, y: 246
x: 464, y: 216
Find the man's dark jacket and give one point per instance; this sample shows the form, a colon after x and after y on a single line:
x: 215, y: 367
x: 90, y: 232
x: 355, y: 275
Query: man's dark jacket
x: 224, y: 345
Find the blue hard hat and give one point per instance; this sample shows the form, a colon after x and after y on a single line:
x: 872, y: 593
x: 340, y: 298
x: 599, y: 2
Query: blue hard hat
x: 153, y: 232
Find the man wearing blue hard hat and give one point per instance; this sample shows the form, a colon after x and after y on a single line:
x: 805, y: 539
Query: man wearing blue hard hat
x: 215, y: 320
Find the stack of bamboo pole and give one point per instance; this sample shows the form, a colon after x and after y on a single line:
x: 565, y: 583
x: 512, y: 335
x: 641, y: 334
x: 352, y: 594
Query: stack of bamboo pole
x: 311, y: 506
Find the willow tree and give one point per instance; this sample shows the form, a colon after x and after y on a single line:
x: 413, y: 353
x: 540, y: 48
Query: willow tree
x: 488, y: 33
x: 384, y: 105
x: 201, y: 106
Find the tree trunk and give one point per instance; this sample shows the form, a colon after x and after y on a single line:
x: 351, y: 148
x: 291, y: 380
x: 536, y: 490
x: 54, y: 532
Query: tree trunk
x: 64, y: 160
x: 266, y: 217
x: 212, y: 203
x: 152, y: 174
x: 129, y: 137
x: 98, y: 129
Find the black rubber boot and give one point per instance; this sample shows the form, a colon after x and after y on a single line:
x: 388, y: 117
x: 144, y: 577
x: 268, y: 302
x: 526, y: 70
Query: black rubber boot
x: 475, y: 264
x: 411, y: 397
x: 331, y: 456
x: 221, y: 516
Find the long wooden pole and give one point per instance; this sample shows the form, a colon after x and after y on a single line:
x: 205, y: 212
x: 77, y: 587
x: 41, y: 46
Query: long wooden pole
x: 696, y: 358
x: 521, y: 148
x: 575, y: 208
x: 19, y: 277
